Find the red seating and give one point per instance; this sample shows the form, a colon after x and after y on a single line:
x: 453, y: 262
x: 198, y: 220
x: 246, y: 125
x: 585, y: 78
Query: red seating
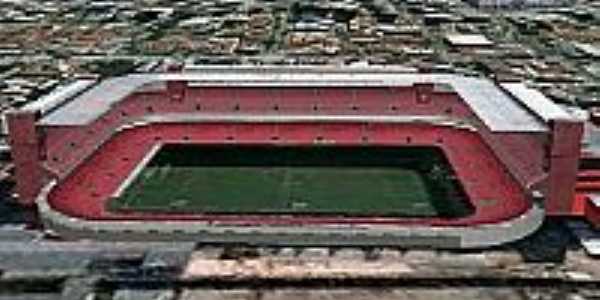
x: 85, y: 192
x: 521, y: 153
x: 67, y: 146
x: 100, y: 168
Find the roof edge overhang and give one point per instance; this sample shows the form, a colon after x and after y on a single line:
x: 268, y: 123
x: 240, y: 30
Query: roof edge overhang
x: 496, y: 108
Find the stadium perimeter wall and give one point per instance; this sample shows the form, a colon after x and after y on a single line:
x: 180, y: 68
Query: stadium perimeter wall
x: 450, y: 237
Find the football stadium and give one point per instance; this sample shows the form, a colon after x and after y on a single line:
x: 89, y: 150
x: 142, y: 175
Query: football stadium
x: 299, y: 156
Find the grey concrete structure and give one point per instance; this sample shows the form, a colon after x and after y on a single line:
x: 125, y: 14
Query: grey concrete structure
x: 478, y: 236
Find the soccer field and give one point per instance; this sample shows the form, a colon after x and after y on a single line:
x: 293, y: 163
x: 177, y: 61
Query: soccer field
x: 320, y: 180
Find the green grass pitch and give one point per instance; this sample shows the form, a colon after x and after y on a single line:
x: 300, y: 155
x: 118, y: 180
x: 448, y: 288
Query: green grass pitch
x: 321, y: 180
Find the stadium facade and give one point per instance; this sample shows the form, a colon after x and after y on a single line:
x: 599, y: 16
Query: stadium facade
x: 515, y: 153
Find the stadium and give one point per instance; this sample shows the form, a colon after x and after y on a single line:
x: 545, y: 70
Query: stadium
x: 299, y: 156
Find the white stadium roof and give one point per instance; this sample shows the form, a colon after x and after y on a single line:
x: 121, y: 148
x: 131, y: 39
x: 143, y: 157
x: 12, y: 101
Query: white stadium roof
x: 495, y: 107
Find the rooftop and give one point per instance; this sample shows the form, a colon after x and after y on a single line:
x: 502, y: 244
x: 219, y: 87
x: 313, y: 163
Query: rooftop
x: 494, y: 107
x: 468, y: 40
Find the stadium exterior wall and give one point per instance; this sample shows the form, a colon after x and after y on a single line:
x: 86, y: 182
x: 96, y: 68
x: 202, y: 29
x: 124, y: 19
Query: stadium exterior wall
x: 27, y: 155
x: 564, y: 157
